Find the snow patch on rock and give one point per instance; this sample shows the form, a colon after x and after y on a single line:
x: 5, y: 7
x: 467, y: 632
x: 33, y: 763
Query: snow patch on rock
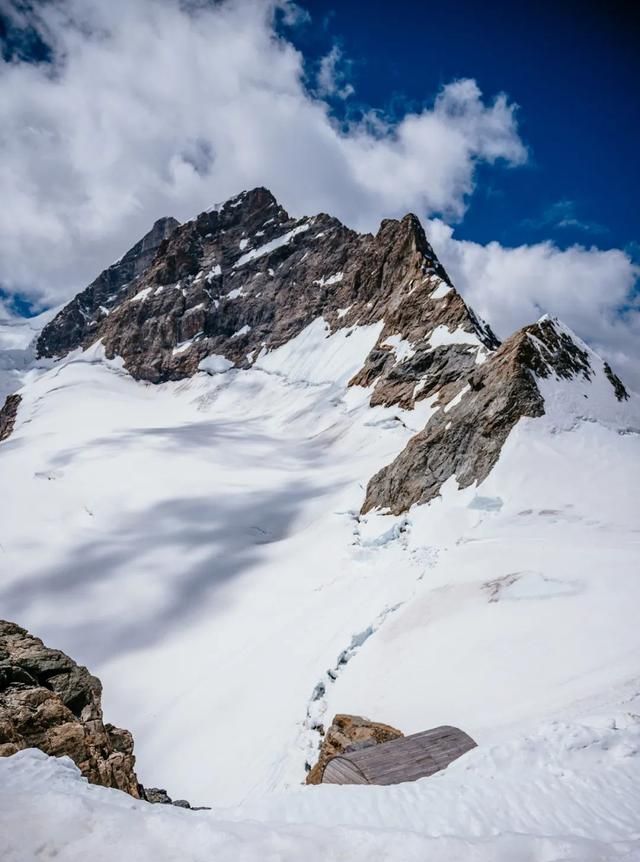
x: 270, y: 246
x: 215, y: 364
x: 402, y: 348
x: 317, y: 355
x: 442, y: 335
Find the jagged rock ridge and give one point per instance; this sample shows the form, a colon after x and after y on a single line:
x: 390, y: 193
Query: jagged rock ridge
x: 245, y: 277
x: 78, y: 323
x: 465, y: 436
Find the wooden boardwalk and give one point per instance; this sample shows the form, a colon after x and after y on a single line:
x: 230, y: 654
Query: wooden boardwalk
x: 404, y: 759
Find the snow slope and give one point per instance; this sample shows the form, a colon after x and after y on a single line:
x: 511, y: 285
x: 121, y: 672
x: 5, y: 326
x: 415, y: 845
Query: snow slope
x: 569, y: 792
x: 527, y: 614
x: 197, y: 545
x: 193, y: 545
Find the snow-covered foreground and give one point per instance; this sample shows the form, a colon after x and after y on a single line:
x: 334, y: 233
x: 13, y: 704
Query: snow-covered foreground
x: 570, y: 792
x: 198, y: 546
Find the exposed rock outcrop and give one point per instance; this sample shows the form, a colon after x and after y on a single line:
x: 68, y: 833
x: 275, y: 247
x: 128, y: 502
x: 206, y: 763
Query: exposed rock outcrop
x: 349, y: 733
x: 159, y: 796
x: 464, y: 438
x: 618, y: 386
x: 77, y: 324
x: 8, y: 414
x: 49, y: 702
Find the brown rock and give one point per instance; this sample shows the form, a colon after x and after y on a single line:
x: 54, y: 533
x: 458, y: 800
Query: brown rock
x: 349, y: 733
x: 466, y: 441
x: 49, y: 702
x: 78, y: 322
x: 205, y: 292
x: 8, y: 415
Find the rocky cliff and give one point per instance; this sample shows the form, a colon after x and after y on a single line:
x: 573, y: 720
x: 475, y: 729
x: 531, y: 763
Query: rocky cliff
x: 244, y: 277
x: 465, y: 436
x: 49, y: 702
x: 78, y: 323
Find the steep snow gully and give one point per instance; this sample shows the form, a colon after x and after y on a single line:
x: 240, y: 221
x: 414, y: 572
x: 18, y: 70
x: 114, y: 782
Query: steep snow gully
x: 189, y: 524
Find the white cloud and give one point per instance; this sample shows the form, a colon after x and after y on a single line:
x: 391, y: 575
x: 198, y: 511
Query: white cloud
x: 591, y: 290
x: 331, y: 77
x: 154, y: 110
x: 563, y: 214
x: 162, y: 107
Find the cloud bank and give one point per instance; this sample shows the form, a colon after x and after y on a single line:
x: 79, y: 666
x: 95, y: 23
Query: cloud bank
x: 163, y: 107
x: 589, y: 289
x: 154, y: 108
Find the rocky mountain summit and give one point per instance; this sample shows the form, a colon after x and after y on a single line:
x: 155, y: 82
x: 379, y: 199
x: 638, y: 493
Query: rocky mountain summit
x: 465, y: 436
x: 244, y: 278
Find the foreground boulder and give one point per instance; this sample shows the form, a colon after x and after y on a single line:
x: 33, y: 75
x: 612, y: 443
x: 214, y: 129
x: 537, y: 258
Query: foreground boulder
x: 349, y: 733
x: 49, y: 702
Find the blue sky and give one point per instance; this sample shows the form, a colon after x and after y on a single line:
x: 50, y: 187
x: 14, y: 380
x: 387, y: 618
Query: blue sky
x: 512, y: 132
x: 574, y: 71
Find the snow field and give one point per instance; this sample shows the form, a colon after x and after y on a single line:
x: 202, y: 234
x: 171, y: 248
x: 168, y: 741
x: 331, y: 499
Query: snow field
x: 198, y: 546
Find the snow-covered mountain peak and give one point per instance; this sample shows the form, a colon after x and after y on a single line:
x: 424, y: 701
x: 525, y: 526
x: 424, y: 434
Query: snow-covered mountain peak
x: 244, y: 280
x: 560, y: 352
x: 576, y: 384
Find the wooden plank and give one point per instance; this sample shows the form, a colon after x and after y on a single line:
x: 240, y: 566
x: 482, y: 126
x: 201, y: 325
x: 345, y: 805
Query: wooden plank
x: 405, y: 759
x: 339, y: 770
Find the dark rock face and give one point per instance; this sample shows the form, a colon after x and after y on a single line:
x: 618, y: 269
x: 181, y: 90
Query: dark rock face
x: 8, y: 415
x: 49, y: 702
x: 245, y: 276
x: 159, y: 796
x: 548, y: 350
x: 349, y: 733
x: 78, y: 322
x: 618, y: 385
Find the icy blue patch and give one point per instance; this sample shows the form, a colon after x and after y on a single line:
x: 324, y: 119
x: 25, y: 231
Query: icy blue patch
x: 486, y: 504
